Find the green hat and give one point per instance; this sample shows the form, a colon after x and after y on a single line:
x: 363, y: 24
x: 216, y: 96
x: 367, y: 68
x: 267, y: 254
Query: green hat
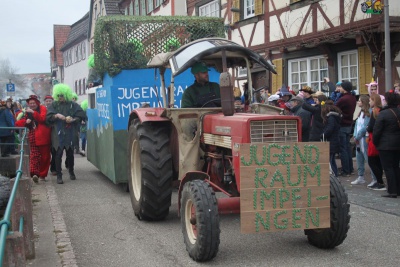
x: 199, y: 67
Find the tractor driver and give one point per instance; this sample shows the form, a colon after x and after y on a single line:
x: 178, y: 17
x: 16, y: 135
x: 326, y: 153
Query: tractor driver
x: 202, y: 93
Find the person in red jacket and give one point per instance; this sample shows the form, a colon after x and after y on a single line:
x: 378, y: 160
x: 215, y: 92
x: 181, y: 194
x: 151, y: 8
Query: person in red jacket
x: 34, y: 118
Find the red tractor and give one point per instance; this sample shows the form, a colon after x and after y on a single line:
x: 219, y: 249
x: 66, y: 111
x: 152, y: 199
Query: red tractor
x: 199, y: 151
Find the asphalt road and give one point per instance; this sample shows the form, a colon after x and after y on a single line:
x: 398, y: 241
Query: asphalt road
x: 102, y: 231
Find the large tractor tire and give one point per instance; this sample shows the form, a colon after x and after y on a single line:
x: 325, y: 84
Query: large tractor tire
x: 340, y: 219
x: 200, y: 220
x: 149, y: 170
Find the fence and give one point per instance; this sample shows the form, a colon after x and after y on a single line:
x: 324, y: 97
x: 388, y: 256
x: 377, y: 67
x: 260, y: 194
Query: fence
x: 19, y: 237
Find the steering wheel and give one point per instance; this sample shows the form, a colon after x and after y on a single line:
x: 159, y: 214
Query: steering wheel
x: 212, y: 100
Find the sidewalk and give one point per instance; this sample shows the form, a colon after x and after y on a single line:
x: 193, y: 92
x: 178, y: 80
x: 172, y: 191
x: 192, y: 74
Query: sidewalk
x: 52, y: 244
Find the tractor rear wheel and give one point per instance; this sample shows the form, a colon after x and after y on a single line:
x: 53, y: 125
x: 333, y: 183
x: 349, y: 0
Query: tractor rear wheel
x: 340, y: 219
x: 200, y: 220
x: 149, y: 170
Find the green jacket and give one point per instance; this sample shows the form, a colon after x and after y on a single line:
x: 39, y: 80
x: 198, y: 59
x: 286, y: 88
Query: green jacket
x: 198, y: 95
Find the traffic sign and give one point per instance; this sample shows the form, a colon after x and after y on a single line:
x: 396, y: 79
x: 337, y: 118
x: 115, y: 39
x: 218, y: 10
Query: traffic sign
x: 10, y: 89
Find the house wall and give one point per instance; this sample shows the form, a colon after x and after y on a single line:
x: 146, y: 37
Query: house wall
x: 77, y: 71
x: 284, y: 32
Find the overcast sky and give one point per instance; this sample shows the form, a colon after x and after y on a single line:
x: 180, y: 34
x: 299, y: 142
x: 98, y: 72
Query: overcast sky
x: 26, y: 30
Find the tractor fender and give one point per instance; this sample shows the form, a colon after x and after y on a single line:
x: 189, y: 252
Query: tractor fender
x: 190, y: 176
x: 147, y: 114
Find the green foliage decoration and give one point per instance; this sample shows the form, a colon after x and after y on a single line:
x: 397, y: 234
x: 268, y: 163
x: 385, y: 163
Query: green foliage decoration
x: 129, y: 42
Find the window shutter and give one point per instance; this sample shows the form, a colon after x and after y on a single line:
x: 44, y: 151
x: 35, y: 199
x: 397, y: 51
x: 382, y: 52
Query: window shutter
x: 236, y: 15
x: 277, y: 78
x: 365, y: 69
x: 258, y: 7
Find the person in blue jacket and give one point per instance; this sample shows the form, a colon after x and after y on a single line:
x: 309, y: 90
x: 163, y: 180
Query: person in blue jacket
x: 6, y: 135
x: 360, y: 131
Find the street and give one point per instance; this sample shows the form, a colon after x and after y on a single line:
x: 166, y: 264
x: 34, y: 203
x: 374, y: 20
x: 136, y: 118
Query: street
x: 103, y: 231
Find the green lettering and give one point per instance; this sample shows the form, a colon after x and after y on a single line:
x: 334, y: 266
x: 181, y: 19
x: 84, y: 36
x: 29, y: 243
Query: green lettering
x: 283, y: 199
x: 284, y: 221
x: 302, y: 157
x: 264, y: 157
x: 265, y: 195
x: 295, y: 218
x: 284, y: 155
x: 277, y: 177
x: 309, y: 215
x: 289, y: 180
x: 255, y: 199
x: 317, y: 171
x: 308, y: 197
x: 260, y: 180
x: 295, y: 197
x: 310, y: 154
x: 259, y: 219
x: 270, y: 162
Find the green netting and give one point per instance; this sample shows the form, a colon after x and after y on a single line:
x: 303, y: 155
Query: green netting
x: 128, y: 42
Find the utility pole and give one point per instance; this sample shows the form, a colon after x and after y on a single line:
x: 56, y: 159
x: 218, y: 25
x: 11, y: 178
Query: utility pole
x: 388, y: 56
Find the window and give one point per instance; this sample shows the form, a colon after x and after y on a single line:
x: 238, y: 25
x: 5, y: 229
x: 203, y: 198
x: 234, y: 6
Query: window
x: 131, y: 8
x: 248, y: 9
x: 80, y: 87
x: 149, y: 6
x: 76, y: 87
x: 136, y: 10
x: 142, y: 7
x: 307, y: 71
x: 348, y: 67
x: 158, y: 3
x: 95, y: 12
x: 242, y: 72
x: 210, y: 9
x: 70, y: 57
x: 76, y: 54
x: 83, y: 50
x: 84, y: 86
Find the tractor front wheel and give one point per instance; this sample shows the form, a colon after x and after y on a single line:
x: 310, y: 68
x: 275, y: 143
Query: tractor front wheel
x: 340, y: 219
x: 149, y: 170
x: 200, y: 220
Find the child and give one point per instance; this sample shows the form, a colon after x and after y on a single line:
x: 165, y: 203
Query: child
x: 331, y: 116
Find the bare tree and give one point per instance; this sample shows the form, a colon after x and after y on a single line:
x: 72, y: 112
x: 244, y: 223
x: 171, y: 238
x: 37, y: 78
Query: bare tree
x: 7, y: 74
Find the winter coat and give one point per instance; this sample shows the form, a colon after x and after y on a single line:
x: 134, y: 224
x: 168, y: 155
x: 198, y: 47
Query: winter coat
x: 42, y: 133
x: 360, y: 130
x: 335, y: 96
x: 386, y: 134
x: 305, y: 121
x: 64, y: 134
x: 6, y: 120
x: 347, y: 104
x: 317, y: 124
x: 331, y: 131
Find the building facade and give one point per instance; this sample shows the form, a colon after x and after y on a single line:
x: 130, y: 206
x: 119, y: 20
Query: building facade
x: 75, y: 54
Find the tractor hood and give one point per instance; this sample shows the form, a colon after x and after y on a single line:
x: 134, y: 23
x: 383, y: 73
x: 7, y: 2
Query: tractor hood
x: 209, y: 50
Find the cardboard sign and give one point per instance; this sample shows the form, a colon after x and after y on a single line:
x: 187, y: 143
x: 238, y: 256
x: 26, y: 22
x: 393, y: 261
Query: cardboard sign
x: 284, y: 187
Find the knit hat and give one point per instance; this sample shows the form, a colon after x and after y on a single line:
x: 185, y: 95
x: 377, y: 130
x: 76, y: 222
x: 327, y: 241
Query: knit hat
x: 48, y: 97
x: 347, y: 86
